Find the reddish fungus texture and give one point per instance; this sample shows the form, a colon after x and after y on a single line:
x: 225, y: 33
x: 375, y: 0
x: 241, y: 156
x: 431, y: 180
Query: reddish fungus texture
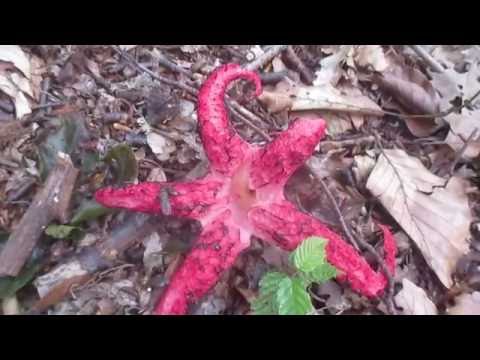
x: 243, y: 195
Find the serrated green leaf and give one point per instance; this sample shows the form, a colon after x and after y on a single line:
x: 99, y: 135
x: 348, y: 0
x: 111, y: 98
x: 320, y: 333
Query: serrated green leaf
x: 59, y: 231
x: 292, y: 298
x: 265, y: 303
x: 322, y: 273
x: 310, y: 254
x: 123, y: 162
x: 88, y: 210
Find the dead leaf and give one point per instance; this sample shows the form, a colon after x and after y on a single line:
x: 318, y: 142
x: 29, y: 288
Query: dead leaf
x: 127, y: 47
x: 466, y: 304
x: 363, y: 165
x: 412, y: 90
x: 414, y: 300
x: 451, y: 84
x: 18, y: 84
x: 436, y: 219
x: 15, y: 55
x: 160, y: 145
x: 330, y: 67
x: 22, y: 106
x: 461, y: 127
x: 371, y: 56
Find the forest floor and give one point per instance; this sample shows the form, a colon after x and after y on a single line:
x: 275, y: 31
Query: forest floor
x: 402, y: 149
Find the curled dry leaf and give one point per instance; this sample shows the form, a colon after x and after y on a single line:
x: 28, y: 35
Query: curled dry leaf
x: 437, y: 219
x: 410, y: 87
x: 344, y: 108
x: 466, y: 304
x: 414, y: 300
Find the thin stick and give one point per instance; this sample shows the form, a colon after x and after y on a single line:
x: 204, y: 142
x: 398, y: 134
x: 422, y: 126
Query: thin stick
x: 163, y: 79
x: 247, y: 117
x: 357, y: 242
x: 262, y: 60
x: 434, y: 64
x: 304, y: 71
x: 459, y: 155
x: 345, y: 228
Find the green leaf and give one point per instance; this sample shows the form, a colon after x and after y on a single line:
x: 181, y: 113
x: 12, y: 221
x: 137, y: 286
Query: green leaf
x: 89, y: 162
x: 59, y: 231
x: 9, y: 285
x: 123, y: 162
x: 322, y: 273
x: 88, y: 210
x: 310, y: 254
x: 65, y: 139
x: 292, y: 297
x: 266, y: 303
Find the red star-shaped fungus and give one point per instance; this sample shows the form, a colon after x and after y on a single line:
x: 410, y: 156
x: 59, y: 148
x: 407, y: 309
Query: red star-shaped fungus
x: 242, y: 195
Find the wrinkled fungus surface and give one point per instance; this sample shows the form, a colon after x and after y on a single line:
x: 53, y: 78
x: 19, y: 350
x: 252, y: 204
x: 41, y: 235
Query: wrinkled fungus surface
x: 243, y: 195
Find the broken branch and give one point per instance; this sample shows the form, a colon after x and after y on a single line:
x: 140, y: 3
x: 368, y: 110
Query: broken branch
x: 50, y: 203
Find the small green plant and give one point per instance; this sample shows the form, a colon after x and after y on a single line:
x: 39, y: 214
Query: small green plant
x: 283, y: 294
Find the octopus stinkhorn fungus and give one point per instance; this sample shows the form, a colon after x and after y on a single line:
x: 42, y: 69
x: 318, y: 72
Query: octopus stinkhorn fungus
x: 243, y: 195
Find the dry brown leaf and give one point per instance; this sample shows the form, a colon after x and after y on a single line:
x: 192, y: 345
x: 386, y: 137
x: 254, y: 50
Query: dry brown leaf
x: 414, y: 300
x: 412, y: 90
x: 437, y: 219
x: 452, y: 84
x: 16, y: 84
x: 371, y: 56
x: 15, y: 55
x: 329, y: 98
x: 461, y: 127
x: 466, y: 304
x: 330, y: 67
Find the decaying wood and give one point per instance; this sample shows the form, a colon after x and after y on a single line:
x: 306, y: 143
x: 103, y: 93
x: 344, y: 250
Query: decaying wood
x: 94, y: 258
x: 50, y: 203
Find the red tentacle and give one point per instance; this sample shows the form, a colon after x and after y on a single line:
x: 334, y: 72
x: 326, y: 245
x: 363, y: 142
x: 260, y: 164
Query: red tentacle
x: 225, y: 149
x: 214, y: 252
x: 285, y: 226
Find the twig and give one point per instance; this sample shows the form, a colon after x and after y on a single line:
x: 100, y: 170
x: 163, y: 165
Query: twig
x: 233, y: 104
x: 338, y: 144
x: 459, y: 155
x: 163, y: 79
x: 165, y: 62
x: 262, y: 60
x: 434, y: 64
x: 50, y: 203
x: 95, y: 258
x: 357, y: 242
x: 245, y: 120
x: 295, y: 61
x: 345, y: 228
